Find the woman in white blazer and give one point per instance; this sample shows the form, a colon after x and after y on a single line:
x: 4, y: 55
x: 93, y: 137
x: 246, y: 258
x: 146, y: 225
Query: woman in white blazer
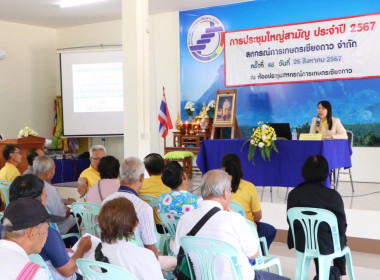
x: 330, y: 127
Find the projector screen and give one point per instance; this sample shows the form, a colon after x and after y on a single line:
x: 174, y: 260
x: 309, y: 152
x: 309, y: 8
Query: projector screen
x: 92, y: 92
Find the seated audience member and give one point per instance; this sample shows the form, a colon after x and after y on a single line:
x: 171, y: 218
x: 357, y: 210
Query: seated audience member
x: 312, y: 193
x: 91, y: 175
x: 179, y: 200
x: 117, y: 221
x: 245, y: 193
x: 13, y: 158
x: 44, y: 168
x: 224, y: 225
x: 30, y: 156
x: 54, y: 251
x: 154, y: 163
x: 131, y: 179
x: 24, y: 232
x: 109, y: 173
x: 324, y: 123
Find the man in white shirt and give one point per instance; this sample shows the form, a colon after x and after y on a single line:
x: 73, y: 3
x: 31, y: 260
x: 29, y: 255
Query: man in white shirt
x: 225, y: 225
x: 131, y: 179
x: 24, y: 232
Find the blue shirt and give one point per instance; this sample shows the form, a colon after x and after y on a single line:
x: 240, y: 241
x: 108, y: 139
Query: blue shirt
x: 177, y: 202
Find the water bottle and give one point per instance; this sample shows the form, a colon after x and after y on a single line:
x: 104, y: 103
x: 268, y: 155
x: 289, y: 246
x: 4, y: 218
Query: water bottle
x: 294, y: 134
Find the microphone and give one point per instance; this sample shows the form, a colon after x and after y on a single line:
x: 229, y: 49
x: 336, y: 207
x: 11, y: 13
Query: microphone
x: 318, y: 122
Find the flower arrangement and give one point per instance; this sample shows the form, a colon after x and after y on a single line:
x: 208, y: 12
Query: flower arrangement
x: 27, y: 131
x: 189, y: 107
x: 263, y: 137
x: 211, y: 108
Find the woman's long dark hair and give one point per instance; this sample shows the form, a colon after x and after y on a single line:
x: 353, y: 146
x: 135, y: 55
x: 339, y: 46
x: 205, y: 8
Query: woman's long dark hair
x: 232, y: 166
x: 325, y: 104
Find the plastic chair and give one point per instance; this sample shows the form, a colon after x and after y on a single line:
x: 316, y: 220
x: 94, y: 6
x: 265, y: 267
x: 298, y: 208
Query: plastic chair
x: 206, y: 251
x: 4, y: 188
x: 88, y: 212
x: 162, y: 239
x: 169, y: 222
x: 264, y: 261
x: 64, y: 236
x: 350, y: 135
x: 91, y: 270
x: 310, y: 219
x: 37, y: 259
x: 237, y: 208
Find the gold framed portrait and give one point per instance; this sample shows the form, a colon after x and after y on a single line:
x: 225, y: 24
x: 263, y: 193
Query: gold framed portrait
x: 225, y: 106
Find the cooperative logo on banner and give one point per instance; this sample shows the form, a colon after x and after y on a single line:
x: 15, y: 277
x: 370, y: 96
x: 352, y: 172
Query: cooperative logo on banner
x: 204, y: 40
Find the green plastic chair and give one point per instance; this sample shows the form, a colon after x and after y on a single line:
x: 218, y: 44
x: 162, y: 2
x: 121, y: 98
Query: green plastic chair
x: 88, y: 212
x: 169, y: 221
x: 91, y: 270
x: 162, y: 239
x: 264, y: 262
x: 64, y: 236
x: 239, y: 209
x: 310, y: 219
x: 206, y: 251
x: 37, y: 259
x: 4, y: 188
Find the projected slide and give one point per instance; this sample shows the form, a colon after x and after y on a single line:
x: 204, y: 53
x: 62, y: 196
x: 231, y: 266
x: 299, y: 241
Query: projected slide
x: 98, y: 87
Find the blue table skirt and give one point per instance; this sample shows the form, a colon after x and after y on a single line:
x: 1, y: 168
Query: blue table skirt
x: 68, y: 170
x: 284, y: 168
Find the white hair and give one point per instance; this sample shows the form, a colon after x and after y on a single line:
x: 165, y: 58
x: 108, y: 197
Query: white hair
x: 9, y: 233
x: 42, y: 164
x: 214, y: 182
x: 131, y: 169
x: 97, y: 148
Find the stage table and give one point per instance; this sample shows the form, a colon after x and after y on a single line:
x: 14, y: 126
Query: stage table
x: 284, y: 168
x: 68, y: 170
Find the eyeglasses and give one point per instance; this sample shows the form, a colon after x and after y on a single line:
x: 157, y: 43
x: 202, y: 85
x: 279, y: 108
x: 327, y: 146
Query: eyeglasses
x: 96, y: 158
x: 17, y: 152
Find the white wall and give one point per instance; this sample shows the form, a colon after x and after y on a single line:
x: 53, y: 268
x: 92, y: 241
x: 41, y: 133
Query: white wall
x: 27, y: 78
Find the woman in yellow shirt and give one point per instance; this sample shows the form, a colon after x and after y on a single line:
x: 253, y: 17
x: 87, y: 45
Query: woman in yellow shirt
x: 245, y: 193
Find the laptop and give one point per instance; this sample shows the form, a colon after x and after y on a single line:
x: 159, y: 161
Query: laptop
x: 282, y: 130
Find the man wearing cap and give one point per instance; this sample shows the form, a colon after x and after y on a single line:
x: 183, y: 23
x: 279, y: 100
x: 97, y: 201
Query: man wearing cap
x: 54, y: 252
x: 24, y: 232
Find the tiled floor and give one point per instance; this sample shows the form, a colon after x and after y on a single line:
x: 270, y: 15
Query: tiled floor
x: 365, y: 197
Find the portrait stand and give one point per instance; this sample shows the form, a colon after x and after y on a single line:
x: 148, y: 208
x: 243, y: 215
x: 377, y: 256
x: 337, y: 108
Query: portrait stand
x: 225, y: 113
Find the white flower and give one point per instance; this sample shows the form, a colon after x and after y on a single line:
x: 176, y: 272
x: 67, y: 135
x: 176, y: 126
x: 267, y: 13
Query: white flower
x: 264, y: 126
x: 187, y: 208
x: 274, y: 138
x: 264, y: 137
x: 252, y: 142
x: 211, y: 105
x: 167, y: 200
x: 261, y: 144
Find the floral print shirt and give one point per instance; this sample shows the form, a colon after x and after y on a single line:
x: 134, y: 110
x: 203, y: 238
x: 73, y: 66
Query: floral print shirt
x: 178, y: 202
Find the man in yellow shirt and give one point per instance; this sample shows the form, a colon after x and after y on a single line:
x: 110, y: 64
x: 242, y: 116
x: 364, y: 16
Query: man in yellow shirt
x: 13, y: 157
x: 154, y: 163
x: 91, y: 175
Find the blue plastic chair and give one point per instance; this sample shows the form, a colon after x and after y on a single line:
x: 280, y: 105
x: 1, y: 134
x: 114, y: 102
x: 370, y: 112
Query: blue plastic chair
x: 206, y: 251
x: 310, y: 219
x: 4, y: 188
x: 264, y: 262
x: 64, y: 236
x: 37, y: 259
x: 88, y: 212
x: 91, y: 270
x: 239, y: 209
x: 169, y: 221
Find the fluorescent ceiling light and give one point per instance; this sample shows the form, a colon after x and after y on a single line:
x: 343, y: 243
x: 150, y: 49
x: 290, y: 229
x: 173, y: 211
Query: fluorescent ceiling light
x: 73, y: 3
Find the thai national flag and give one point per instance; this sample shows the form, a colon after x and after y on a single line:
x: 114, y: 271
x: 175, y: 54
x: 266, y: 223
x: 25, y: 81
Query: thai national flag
x: 164, y: 117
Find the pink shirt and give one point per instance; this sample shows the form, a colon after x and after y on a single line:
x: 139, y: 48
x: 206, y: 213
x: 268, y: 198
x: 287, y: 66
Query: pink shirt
x: 104, y: 188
